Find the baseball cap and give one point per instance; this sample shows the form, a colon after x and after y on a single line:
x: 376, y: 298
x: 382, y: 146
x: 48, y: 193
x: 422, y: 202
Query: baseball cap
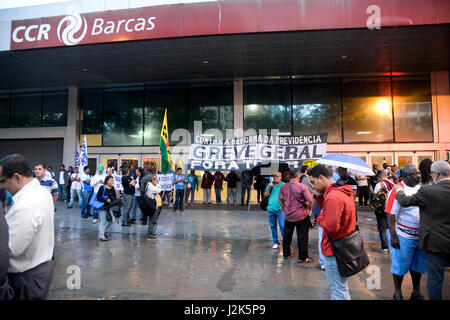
x: 100, y: 168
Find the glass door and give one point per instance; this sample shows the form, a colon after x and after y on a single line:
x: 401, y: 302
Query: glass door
x: 403, y: 159
x: 380, y: 159
x: 108, y: 161
x: 127, y: 160
x: 422, y: 156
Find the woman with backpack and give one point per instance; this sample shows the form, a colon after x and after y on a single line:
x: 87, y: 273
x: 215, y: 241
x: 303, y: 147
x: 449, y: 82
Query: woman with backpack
x: 107, y: 195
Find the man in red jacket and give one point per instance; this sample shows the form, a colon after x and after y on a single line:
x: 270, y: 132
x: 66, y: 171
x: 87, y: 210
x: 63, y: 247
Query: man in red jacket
x: 338, y: 220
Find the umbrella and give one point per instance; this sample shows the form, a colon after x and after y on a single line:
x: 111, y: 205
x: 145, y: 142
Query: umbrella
x: 352, y: 164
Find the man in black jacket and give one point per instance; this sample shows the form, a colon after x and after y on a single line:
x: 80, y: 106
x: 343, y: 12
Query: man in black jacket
x: 434, y: 236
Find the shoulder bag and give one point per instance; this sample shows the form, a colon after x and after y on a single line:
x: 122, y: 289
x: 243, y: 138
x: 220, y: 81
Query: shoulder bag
x: 94, y: 203
x: 351, y: 257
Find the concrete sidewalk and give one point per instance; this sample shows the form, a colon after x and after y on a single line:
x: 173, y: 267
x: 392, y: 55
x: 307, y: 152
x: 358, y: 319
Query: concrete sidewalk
x: 202, y: 254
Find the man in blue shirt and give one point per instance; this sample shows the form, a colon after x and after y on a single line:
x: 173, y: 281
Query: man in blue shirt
x: 179, y: 180
x: 274, y: 211
x: 192, y: 185
x: 86, y: 192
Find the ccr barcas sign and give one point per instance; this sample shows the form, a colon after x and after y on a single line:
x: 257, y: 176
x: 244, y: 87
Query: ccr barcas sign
x: 77, y: 29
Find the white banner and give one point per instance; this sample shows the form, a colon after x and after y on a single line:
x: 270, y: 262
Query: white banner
x: 244, y: 153
x: 165, y: 181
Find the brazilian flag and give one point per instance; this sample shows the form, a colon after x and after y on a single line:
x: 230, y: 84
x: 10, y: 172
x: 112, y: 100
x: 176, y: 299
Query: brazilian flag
x: 164, y: 146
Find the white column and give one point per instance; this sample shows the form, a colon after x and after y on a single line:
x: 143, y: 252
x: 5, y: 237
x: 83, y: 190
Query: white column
x: 238, y: 107
x: 71, y: 134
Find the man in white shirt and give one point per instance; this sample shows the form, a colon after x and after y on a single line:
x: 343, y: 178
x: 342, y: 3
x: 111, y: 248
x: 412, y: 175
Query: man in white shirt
x: 63, y: 180
x: 404, y: 226
x: 75, y: 188
x: 31, y: 230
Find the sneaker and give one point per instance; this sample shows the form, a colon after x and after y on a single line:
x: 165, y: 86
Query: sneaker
x: 94, y: 221
x: 275, y: 246
x: 69, y: 207
x: 384, y: 250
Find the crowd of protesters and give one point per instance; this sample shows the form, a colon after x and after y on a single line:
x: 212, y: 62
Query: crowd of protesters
x: 410, y: 205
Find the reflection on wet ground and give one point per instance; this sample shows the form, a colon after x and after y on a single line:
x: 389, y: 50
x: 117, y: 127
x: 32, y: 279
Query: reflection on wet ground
x: 202, y: 254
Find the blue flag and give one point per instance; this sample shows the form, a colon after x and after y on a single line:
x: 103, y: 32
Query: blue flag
x: 84, y: 154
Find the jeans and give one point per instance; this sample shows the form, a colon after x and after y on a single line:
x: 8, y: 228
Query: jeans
x: 72, y: 196
x: 95, y: 213
x: 273, y: 217
x: 85, y: 207
x: 321, y: 256
x: 179, y: 196
x: 206, y: 195
x: 302, y: 227
x: 363, y: 192
x: 126, y: 210
x: 62, y: 192
x: 135, y: 206
x: 382, y: 229
x: 190, y: 192
x: 104, y: 224
x: 244, y: 189
x: 436, y: 264
x: 338, y: 285
x: 218, y: 190
x: 231, y: 194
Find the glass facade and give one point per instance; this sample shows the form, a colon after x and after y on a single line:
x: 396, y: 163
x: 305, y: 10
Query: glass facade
x: 357, y: 110
x: 367, y: 110
x: 132, y: 116
x: 317, y: 108
x: 4, y: 111
x: 157, y: 99
x: 213, y: 105
x: 54, y: 109
x: 412, y: 110
x: 26, y: 110
x: 123, y: 116
x: 32, y: 108
x: 267, y: 105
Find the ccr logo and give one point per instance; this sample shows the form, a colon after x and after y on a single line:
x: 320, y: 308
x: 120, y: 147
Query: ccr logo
x: 73, y: 23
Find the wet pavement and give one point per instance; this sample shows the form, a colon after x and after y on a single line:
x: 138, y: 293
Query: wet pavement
x: 211, y: 253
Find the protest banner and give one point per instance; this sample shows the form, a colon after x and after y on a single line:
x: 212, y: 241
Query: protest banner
x: 244, y: 153
x: 165, y: 181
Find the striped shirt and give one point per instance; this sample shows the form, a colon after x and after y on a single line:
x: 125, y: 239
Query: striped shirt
x: 407, y: 219
x: 49, y: 184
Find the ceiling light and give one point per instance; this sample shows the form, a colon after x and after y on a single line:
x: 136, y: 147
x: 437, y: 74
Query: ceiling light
x: 205, y: 61
x: 84, y: 69
x: 344, y: 57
